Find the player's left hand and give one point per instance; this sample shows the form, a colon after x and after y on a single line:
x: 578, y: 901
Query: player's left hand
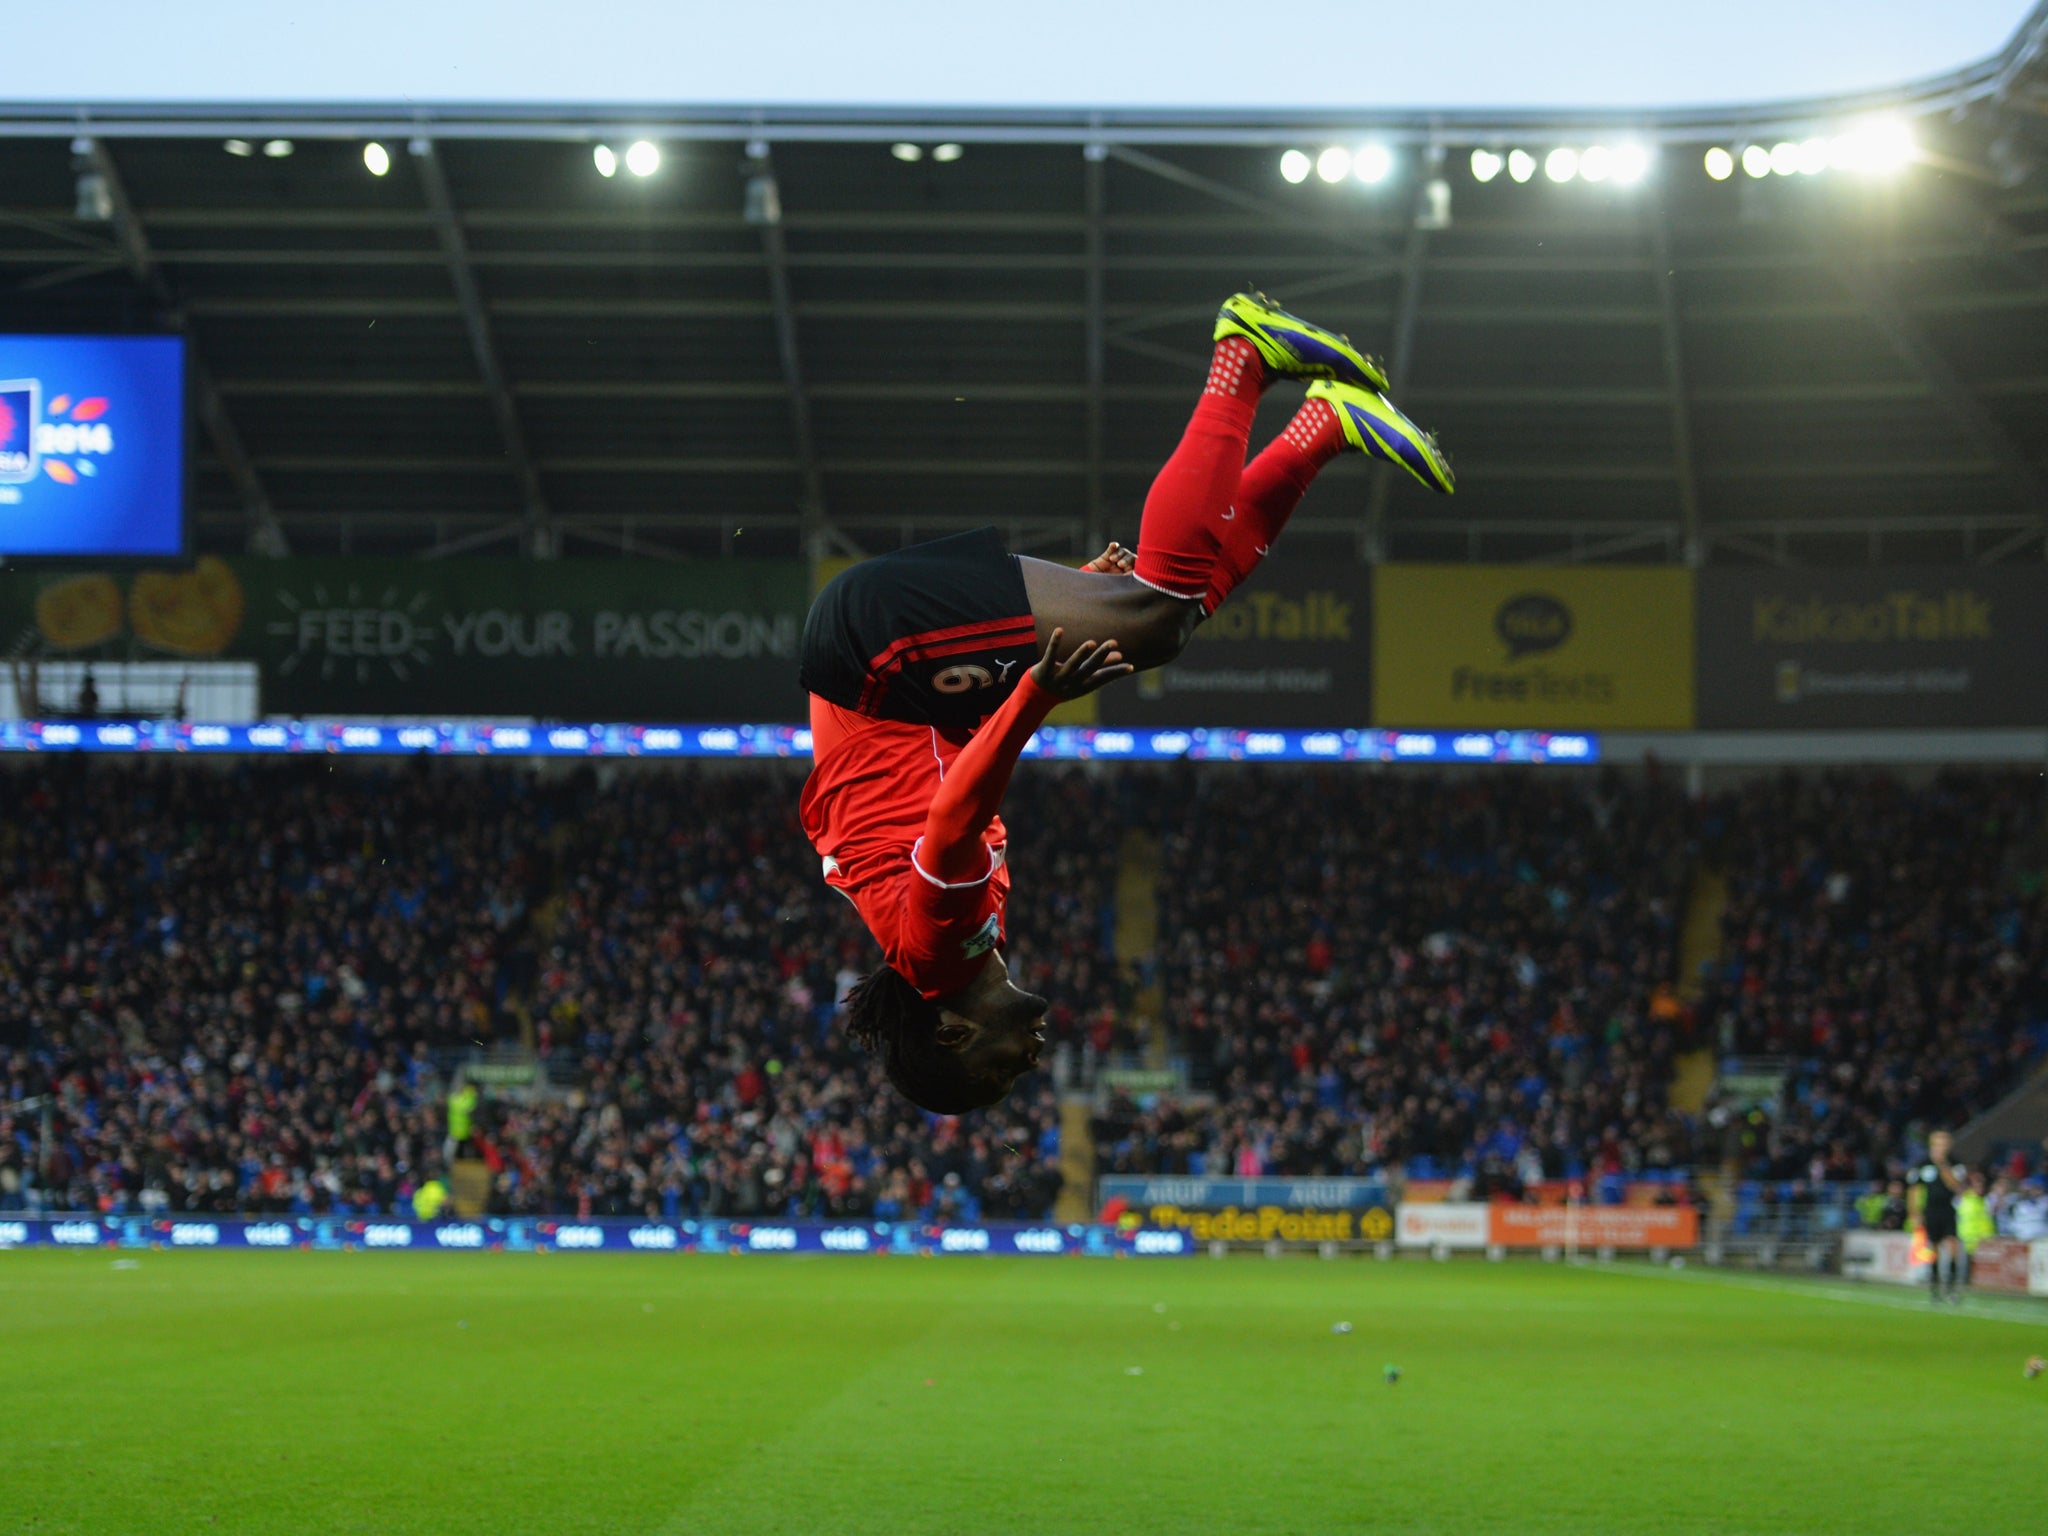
x: 1093, y: 664
x: 1115, y: 561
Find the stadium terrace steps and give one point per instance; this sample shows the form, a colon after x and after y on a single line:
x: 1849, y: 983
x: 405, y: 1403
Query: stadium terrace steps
x: 1692, y: 1081
x: 1137, y: 937
x: 1077, y: 1159
x: 1699, y: 936
x: 1137, y: 898
x: 2021, y: 1116
x: 1699, y: 946
x: 469, y: 1185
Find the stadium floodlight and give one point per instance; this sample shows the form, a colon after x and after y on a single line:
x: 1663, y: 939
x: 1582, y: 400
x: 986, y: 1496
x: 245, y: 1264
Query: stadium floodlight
x: 1893, y: 146
x: 376, y: 158
x: 909, y: 154
x: 946, y: 153
x: 1882, y: 146
x: 1434, y: 211
x: 1813, y: 156
x: 241, y: 148
x: 1486, y: 164
x: 642, y: 158
x: 607, y: 162
x: 1294, y: 167
x: 1595, y: 163
x: 1334, y: 164
x: 1631, y: 163
x: 1720, y: 164
x: 1521, y: 164
x: 1756, y: 160
x: 1373, y: 163
x: 1785, y: 158
x: 277, y: 149
x: 1561, y: 164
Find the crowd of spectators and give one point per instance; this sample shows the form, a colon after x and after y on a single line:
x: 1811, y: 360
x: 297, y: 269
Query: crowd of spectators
x: 1467, y: 975
x: 1888, y: 944
x: 245, y: 988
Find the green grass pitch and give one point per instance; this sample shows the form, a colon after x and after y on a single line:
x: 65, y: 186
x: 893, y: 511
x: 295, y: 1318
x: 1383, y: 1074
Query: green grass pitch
x: 395, y: 1393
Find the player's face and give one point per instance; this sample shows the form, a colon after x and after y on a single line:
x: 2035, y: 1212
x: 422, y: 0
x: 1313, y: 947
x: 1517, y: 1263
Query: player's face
x: 998, y: 1028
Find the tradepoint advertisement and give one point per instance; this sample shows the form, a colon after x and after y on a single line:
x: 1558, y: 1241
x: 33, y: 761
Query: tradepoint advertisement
x: 522, y: 1234
x: 1257, y: 1210
x: 1506, y: 646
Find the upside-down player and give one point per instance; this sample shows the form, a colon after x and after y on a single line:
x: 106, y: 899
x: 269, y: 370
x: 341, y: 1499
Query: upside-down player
x: 929, y: 669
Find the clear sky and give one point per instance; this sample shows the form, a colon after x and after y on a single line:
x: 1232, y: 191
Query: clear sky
x: 971, y: 53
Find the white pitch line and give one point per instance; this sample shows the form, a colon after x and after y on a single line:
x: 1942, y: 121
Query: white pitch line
x: 1987, y: 1309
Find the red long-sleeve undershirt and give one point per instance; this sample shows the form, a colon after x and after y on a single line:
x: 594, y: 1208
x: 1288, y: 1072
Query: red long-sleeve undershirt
x: 972, y: 792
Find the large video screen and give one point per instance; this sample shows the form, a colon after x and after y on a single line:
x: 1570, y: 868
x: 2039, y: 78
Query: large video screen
x: 92, y: 445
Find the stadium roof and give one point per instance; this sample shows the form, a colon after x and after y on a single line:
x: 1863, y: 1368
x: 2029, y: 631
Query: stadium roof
x: 493, y: 346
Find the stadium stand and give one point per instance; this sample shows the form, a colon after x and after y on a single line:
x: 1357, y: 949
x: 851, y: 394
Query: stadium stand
x: 247, y: 988
x: 1455, y: 974
x: 1885, y: 943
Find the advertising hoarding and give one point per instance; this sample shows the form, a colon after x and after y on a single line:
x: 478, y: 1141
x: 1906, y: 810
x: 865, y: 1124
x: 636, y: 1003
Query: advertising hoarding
x: 1929, y: 647
x: 1594, y: 1226
x: 2000, y: 1264
x: 1442, y: 1225
x: 523, y: 1234
x: 1258, y: 1210
x: 1506, y: 646
x: 1293, y: 646
x: 1469, y: 1225
x: 92, y: 445
x: 563, y: 639
x: 1214, y: 1194
x: 1889, y: 1257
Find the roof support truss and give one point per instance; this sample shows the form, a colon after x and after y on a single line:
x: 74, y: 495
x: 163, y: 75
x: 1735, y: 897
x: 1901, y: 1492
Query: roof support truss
x: 1092, y: 178
x: 265, y: 534
x: 538, y: 525
x: 1674, y: 382
x: 1906, y: 338
x: 764, y: 203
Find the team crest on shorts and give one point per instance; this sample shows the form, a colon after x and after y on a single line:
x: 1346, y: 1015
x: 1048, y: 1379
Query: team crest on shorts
x: 986, y: 937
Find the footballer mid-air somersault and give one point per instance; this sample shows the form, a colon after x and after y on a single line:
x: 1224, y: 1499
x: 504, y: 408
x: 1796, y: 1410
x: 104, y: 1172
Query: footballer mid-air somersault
x: 929, y: 670
x: 758, y: 775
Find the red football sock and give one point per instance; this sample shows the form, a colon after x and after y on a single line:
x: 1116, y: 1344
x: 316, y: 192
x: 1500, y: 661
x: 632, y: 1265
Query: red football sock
x: 1268, y: 492
x: 1187, y: 510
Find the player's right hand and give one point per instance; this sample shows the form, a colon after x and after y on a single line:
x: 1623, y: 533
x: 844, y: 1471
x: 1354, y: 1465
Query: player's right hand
x: 1114, y: 561
x: 1093, y: 664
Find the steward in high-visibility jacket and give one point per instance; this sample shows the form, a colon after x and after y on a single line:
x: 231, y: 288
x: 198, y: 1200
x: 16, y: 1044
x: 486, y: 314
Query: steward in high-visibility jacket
x: 1973, y: 1217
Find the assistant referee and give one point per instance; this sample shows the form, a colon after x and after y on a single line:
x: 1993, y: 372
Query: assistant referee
x: 1935, y: 1187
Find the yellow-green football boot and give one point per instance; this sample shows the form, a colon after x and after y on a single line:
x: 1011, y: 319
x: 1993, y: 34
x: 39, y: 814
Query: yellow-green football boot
x: 1373, y: 426
x: 1294, y: 348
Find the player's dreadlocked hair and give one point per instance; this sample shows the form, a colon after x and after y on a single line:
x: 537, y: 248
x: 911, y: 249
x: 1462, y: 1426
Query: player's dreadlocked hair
x: 887, y: 1015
